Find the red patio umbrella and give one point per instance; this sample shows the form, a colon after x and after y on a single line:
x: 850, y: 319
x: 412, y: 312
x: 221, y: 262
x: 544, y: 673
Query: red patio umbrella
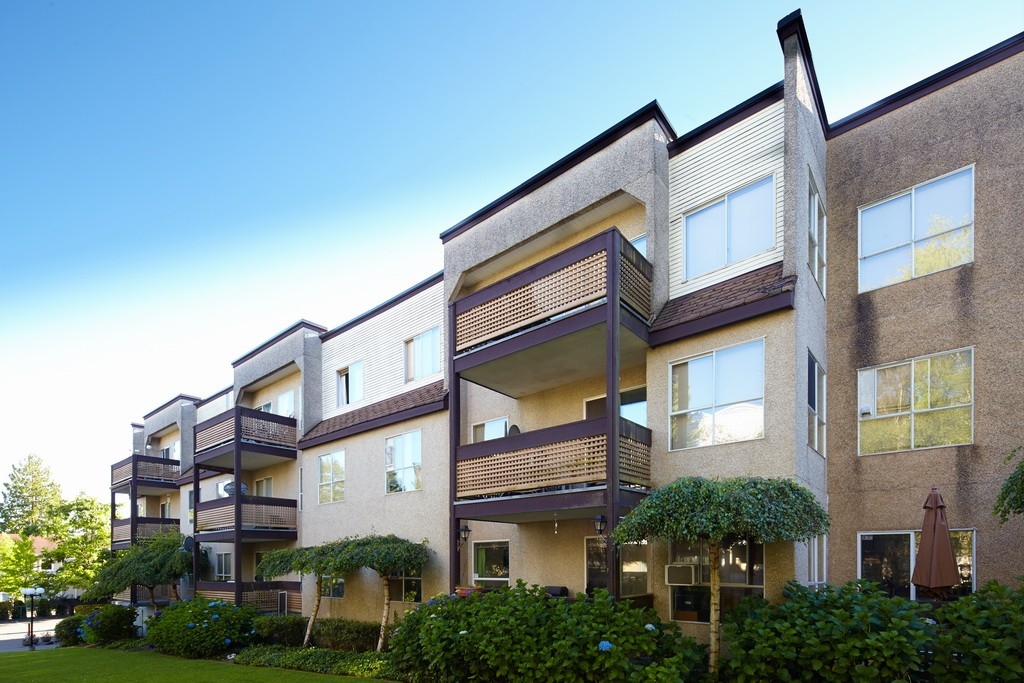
x: 935, y: 572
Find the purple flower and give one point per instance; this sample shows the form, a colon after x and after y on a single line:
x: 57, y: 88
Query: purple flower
x: 604, y: 646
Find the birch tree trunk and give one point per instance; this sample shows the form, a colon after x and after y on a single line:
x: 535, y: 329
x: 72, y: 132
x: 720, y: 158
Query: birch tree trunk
x: 312, y: 615
x: 384, y: 616
x: 714, y: 559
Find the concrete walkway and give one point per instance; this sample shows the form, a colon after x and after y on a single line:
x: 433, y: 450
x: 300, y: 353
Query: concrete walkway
x: 12, y: 632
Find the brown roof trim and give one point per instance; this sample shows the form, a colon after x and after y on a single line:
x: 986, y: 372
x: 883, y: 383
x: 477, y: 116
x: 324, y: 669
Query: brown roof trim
x: 390, y: 303
x: 793, y: 25
x: 733, y: 315
x: 220, y: 393
x: 743, y: 110
x: 423, y: 400
x: 319, y: 329
x: 963, y: 69
x: 176, y: 399
x: 650, y: 112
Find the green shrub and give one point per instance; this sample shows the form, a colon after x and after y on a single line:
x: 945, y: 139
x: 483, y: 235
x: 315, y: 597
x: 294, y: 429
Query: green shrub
x: 201, y: 628
x: 43, y: 609
x: 850, y: 633
x: 981, y: 636
x: 521, y: 634
x: 6, y: 607
x: 280, y: 629
x: 344, y: 634
x: 108, y: 624
x: 363, y: 664
x: 70, y: 631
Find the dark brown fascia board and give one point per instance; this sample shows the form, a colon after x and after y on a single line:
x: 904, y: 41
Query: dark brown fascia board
x: 319, y: 329
x: 390, y: 303
x: 963, y: 69
x: 138, y: 425
x: 650, y: 112
x: 743, y: 110
x: 791, y: 25
x: 186, y: 478
x: 217, y: 395
x: 376, y: 423
x: 754, y: 309
x: 176, y: 399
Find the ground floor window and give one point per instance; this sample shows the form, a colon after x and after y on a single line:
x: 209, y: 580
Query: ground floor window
x: 816, y: 561
x: 490, y: 564
x: 597, y: 563
x: 888, y: 557
x: 406, y: 586
x: 332, y: 587
x: 223, y: 567
x: 633, y: 569
x: 741, y: 573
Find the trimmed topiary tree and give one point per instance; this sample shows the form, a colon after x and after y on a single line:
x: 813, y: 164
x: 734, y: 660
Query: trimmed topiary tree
x: 693, y: 508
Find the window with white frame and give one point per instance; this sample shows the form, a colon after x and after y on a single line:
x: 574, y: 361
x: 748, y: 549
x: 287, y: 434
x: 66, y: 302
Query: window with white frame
x: 223, y: 567
x: 734, y: 228
x: 817, y: 556
x: 406, y: 586
x: 928, y: 228
x: 718, y: 397
x: 264, y: 487
x: 350, y: 384
x: 923, y: 402
x: 741, y: 571
x: 263, y: 408
x: 402, y: 460
x: 640, y: 244
x: 286, y: 403
x: 423, y: 355
x: 332, y: 477
x: 815, y: 405
x: 332, y: 587
x: 888, y: 557
x: 816, y: 234
x: 491, y: 429
x: 490, y: 564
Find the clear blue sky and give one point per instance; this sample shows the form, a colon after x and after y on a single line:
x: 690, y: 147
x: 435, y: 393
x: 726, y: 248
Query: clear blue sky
x: 181, y: 180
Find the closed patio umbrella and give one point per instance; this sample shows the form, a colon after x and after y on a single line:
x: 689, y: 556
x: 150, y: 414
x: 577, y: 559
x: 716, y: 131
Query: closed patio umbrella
x: 935, y: 571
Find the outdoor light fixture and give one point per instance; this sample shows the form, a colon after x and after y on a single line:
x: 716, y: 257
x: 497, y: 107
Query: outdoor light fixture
x: 31, y: 594
x: 464, y: 531
x: 600, y: 524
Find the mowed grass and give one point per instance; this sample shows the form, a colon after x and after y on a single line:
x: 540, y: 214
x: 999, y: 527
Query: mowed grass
x: 93, y: 664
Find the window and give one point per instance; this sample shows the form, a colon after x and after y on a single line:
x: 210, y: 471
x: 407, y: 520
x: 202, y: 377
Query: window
x: 286, y: 404
x: 736, y: 227
x: 264, y: 487
x: 632, y: 406
x: 816, y: 235
x: 332, y: 587
x: 263, y: 408
x: 633, y: 569
x: 920, y: 403
x: 640, y: 244
x: 718, y: 397
x: 595, y: 549
x: 165, y: 510
x: 923, y: 230
x: 490, y: 564
x: 888, y: 558
x: 332, y: 477
x: 406, y: 586
x: 492, y: 429
x: 423, y: 355
x: 165, y: 453
x: 816, y: 561
x: 741, y: 569
x: 223, y: 567
x: 350, y: 384
x: 815, y: 405
x: 402, y: 462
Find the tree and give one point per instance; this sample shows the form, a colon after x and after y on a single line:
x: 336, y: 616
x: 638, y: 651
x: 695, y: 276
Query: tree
x: 1010, y: 500
x: 81, y: 532
x: 18, y: 564
x: 29, y: 499
x: 157, y: 561
x: 693, y: 508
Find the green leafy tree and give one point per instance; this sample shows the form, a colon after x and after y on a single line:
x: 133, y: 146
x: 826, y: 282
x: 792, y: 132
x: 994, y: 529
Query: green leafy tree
x: 81, y: 533
x: 30, y: 498
x: 693, y: 508
x: 157, y: 561
x: 1010, y: 500
x: 18, y: 564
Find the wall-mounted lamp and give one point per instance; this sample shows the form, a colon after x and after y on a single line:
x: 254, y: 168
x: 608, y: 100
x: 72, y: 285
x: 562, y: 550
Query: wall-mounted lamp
x: 600, y: 524
x: 464, y: 532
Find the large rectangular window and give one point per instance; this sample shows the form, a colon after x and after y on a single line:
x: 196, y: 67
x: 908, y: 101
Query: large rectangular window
x: 816, y: 235
x: 740, y: 225
x: 286, y: 404
x: 815, y: 405
x: 741, y: 570
x: 490, y: 564
x: 423, y: 355
x: 492, y: 429
x: 406, y: 586
x: 350, y: 384
x: 925, y: 229
x: 888, y: 559
x: 332, y: 477
x: 718, y: 397
x: 919, y: 403
x: 402, y: 459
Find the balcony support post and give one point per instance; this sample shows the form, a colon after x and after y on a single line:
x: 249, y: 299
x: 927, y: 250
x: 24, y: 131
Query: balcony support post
x: 236, y: 556
x: 454, y: 439
x: 195, y: 525
x: 613, y: 400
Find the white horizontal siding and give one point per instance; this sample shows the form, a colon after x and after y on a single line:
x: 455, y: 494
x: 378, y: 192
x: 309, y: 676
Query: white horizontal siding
x: 215, y: 407
x: 750, y: 150
x: 380, y: 344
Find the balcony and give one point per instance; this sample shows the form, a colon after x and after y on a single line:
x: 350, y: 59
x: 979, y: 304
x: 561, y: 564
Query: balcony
x: 263, y: 595
x: 262, y: 438
x: 122, y: 535
x: 260, y: 519
x: 547, y: 325
x: 146, y: 474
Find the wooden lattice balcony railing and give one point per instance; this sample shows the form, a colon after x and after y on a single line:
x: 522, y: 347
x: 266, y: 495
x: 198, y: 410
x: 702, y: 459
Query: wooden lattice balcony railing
x: 248, y: 425
x: 570, y: 280
x: 263, y: 595
x: 144, y: 467
x: 121, y: 529
x: 257, y: 513
x: 552, y: 459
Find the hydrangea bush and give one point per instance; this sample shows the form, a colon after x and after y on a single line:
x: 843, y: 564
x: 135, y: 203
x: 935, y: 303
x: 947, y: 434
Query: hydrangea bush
x: 201, y: 628
x: 69, y: 631
x: 522, y: 634
x: 108, y: 624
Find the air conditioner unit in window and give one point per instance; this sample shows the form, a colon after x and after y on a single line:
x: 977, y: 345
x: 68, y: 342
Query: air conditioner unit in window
x: 680, y: 574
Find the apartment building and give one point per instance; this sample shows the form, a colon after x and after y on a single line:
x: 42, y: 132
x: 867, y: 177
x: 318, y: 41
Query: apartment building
x: 768, y: 294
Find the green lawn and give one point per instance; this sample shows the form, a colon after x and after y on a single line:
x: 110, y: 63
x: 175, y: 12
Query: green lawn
x: 92, y: 664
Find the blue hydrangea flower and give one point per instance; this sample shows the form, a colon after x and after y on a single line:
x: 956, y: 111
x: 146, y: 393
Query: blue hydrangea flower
x: 213, y: 604
x: 190, y: 625
x: 215, y: 616
x: 227, y: 641
x: 604, y: 646
x: 650, y: 627
x: 431, y: 602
